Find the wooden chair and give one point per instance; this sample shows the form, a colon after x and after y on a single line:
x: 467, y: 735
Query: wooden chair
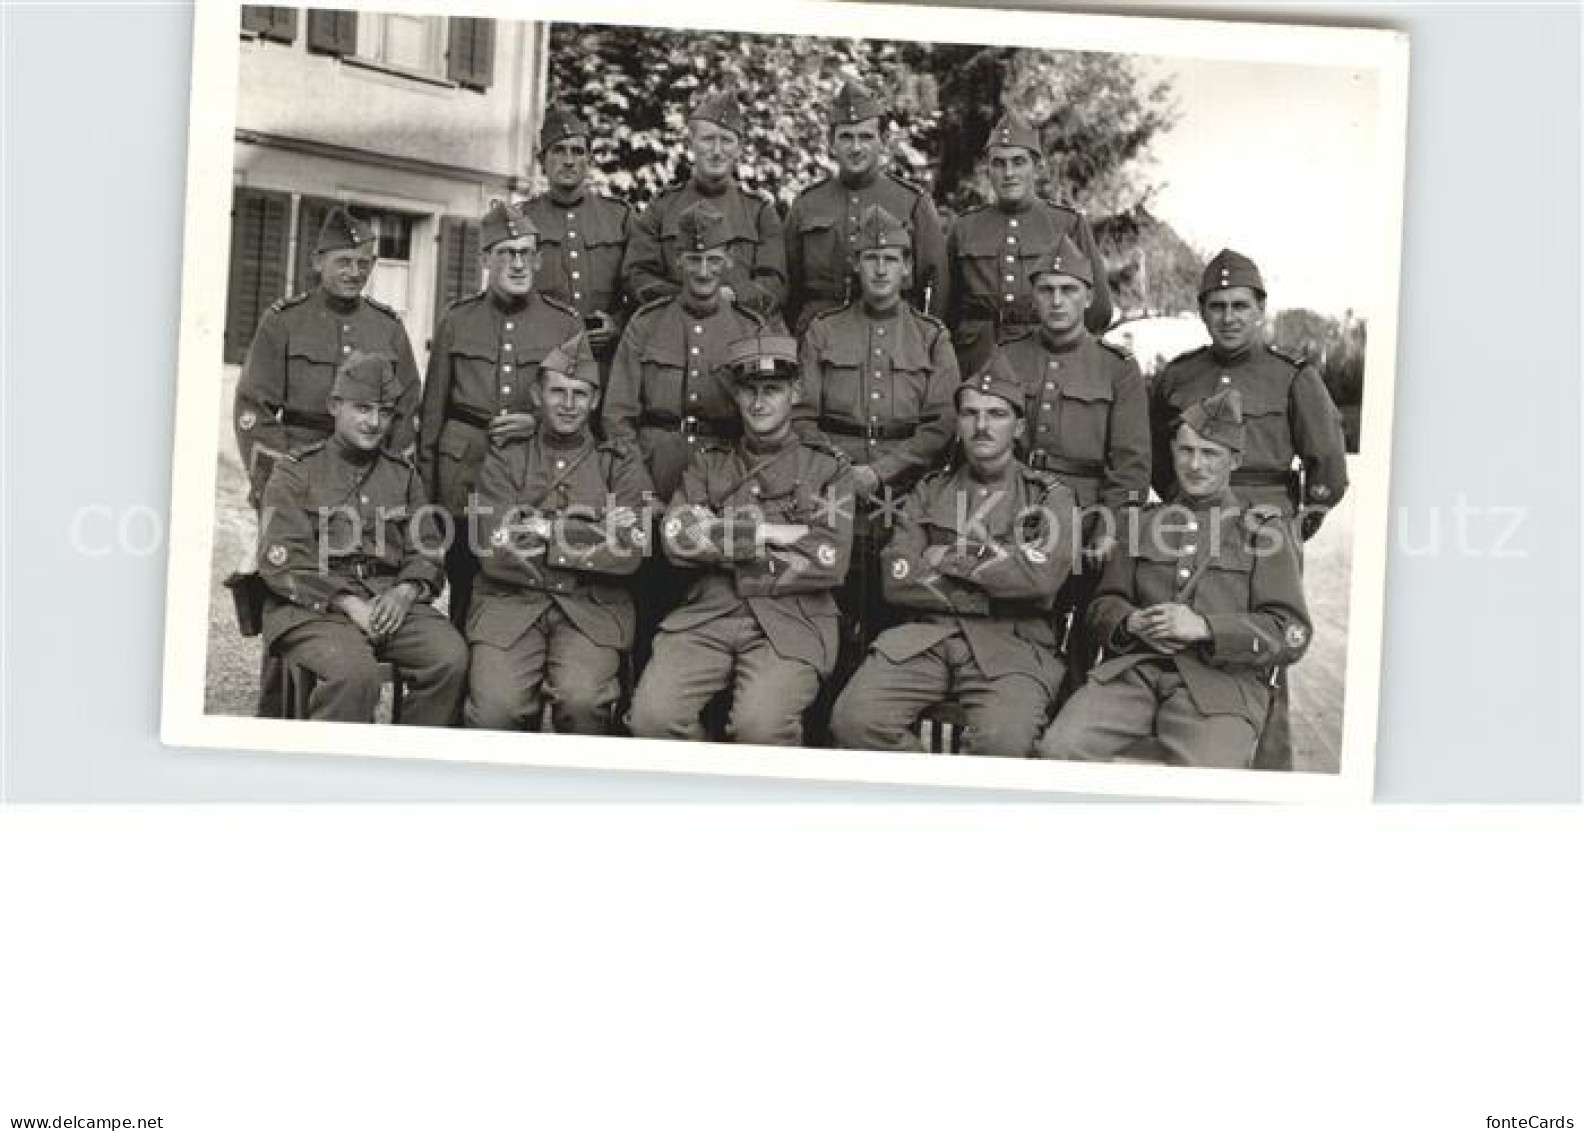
x: 300, y: 682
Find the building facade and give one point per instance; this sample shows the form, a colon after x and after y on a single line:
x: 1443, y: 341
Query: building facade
x: 413, y: 122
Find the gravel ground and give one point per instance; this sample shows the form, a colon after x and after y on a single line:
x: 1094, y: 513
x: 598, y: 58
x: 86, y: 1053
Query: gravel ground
x: 1317, y: 683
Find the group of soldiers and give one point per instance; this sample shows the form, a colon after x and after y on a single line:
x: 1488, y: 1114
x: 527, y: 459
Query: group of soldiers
x: 699, y: 472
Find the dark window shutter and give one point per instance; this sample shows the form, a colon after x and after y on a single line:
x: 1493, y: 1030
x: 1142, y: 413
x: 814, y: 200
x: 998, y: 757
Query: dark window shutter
x: 270, y: 21
x: 311, y: 213
x: 457, y: 263
x: 332, y: 32
x: 470, y: 52
x: 259, y: 225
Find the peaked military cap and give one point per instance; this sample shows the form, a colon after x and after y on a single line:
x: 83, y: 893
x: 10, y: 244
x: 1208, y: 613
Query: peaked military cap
x: 1218, y: 418
x: 995, y: 378
x: 854, y: 103
x: 702, y: 226
x: 1067, y: 259
x: 877, y: 228
x: 559, y: 125
x: 505, y: 222
x: 573, y: 358
x: 763, y: 357
x: 366, y: 378
x: 1015, y: 129
x: 1230, y: 269
x: 721, y: 108
x: 342, y: 230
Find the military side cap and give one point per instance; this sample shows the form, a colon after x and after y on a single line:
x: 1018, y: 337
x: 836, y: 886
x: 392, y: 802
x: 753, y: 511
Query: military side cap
x: 877, y: 228
x: 763, y: 357
x: 1015, y: 129
x: 559, y: 125
x: 1067, y: 259
x: 1229, y: 269
x: 505, y: 222
x: 574, y: 358
x: 702, y: 226
x: 1218, y: 418
x: 366, y: 378
x: 722, y: 109
x: 995, y: 378
x: 854, y: 103
x: 342, y: 230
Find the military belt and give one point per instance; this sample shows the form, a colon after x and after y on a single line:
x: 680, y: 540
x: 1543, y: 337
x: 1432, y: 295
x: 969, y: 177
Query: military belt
x: 469, y: 416
x: 869, y: 431
x: 693, y: 425
x: 364, y: 568
x: 1252, y: 477
x: 318, y: 421
x: 1042, y: 460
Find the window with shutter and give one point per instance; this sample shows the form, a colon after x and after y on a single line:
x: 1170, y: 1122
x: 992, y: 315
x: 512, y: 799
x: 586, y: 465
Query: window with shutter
x: 270, y: 21
x: 470, y: 58
x: 457, y: 265
x: 332, y: 31
x: 260, y: 222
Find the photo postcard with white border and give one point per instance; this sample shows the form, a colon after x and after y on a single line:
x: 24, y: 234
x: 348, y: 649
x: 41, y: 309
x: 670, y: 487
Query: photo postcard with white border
x: 451, y: 255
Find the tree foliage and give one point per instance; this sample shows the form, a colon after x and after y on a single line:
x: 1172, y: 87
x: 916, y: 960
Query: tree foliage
x: 1336, y: 347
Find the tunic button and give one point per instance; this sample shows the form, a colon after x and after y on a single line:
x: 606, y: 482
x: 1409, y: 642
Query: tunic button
x: 573, y: 254
x: 1050, y: 384
x: 1055, y: 364
x: 1011, y: 278
x: 571, y: 235
x: 1011, y: 259
x: 510, y: 326
x: 1011, y: 239
x: 877, y: 373
x: 346, y: 349
x: 506, y: 346
x: 692, y: 396
x: 693, y: 349
x: 571, y: 215
x: 346, y: 329
x: 576, y: 275
x: 1044, y: 427
x: 1045, y: 405
x: 1008, y: 298
x: 874, y: 396
x: 693, y: 372
x: 560, y: 463
x: 506, y: 389
x: 1225, y: 380
x: 1184, y: 572
x: 1012, y: 223
x: 363, y: 499
x: 697, y: 329
x: 576, y: 295
x: 881, y: 331
x: 1193, y: 524
x: 505, y: 369
x: 1188, y: 549
x: 879, y: 352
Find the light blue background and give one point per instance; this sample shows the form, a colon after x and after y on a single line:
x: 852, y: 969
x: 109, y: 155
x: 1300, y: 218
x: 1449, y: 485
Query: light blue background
x: 1480, y: 699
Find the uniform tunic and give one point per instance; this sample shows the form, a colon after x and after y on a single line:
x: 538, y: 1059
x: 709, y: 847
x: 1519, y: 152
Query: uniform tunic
x: 285, y: 383
x: 338, y: 521
x: 668, y: 388
x: 1235, y: 566
x: 757, y: 274
x: 982, y: 628
x: 822, y: 231
x: 1287, y: 412
x: 991, y: 251
x: 582, y: 241
x: 760, y: 620
x: 554, y: 615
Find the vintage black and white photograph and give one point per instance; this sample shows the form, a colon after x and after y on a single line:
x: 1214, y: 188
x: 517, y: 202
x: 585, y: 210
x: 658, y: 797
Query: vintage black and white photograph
x: 827, y: 391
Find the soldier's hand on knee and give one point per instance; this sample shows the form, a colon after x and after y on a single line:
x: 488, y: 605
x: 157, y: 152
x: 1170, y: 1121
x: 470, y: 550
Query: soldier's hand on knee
x: 389, y: 610
x: 358, y: 611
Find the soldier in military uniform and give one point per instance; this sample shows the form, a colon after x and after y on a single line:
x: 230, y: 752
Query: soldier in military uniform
x: 286, y: 379
x: 564, y: 520
x: 767, y: 522
x: 582, y: 235
x: 1203, y: 602
x: 878, y: 381
x: 1288, y: 414
x: 478, y: 389
x: 667, y: 390
x: 978, y: 558
x: 991, y: 249
x: 352, y: 557
x: 756, y: 273
x: 1088, y: 423
x: 822, y: 229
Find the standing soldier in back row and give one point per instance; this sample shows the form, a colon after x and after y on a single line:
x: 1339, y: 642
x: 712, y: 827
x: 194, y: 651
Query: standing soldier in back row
x: 1288, y: 416
x: 582, y: 235
x: 992, y: 248
x: 478, y: 390
x: 756, y: 276
x: 822, y: 227
x: 1088, y: 424
x: 878, y: 382
x: 286, y: 379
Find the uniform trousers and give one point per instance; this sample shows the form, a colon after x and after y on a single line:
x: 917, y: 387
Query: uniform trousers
x: 1149, y: 700
x: 769, y: 692
x: 881, y: 705
x: 507, y: 687
x: 429, y: 652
